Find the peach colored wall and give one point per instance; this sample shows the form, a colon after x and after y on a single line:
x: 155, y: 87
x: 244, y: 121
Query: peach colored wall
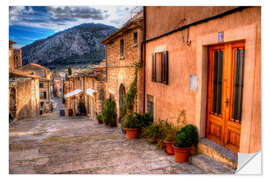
x: 185, y: 60
x: 167, y: 18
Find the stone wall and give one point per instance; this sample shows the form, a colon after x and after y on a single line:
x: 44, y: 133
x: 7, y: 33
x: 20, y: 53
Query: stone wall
x: 27, y: 98
x: 15, y: 59
x: 121, y: 70
x: 45, y: 101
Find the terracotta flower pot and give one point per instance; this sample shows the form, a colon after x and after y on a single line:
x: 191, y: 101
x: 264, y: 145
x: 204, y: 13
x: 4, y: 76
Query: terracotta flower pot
x: 169, y: 147
x: 100, y: 122
x: 131, y: 133
x: 181, y: 154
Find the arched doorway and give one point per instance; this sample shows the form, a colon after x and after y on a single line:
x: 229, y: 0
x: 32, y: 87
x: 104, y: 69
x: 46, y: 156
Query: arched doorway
x: 12, y: 102
x: 122, y: 93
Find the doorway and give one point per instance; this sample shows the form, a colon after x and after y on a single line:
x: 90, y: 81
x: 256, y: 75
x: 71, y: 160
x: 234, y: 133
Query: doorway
x: 12, y: 102
x: 225, y: 93
x: 122, y: 93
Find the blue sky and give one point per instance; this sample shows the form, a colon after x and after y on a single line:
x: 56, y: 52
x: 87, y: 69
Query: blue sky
x: 30, y: 23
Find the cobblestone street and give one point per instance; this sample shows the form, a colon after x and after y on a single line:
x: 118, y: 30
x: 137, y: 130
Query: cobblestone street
x: 54, y: 144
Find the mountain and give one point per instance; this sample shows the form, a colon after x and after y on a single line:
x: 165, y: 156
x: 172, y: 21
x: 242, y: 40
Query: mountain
x: 78, y: 46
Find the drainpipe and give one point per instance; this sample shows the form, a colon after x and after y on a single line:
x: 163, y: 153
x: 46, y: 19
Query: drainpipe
x: 143, y: 52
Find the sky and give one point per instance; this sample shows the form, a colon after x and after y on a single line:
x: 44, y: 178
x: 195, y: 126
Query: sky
x: 30, y: 23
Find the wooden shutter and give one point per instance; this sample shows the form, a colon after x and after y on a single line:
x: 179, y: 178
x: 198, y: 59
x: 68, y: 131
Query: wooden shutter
x: 153, y: 67
x: 165, y: 67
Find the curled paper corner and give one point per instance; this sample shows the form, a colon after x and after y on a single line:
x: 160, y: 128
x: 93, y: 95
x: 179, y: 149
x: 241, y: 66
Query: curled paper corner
x: 249, y: 163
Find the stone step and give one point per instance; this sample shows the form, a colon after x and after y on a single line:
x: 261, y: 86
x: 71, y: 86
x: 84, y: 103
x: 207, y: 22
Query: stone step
x: 209, y: 165
x: 217, y: 152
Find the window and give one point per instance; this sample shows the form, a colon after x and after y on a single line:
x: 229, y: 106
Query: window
x: 239, y: 54
x: 121, y: 48
x: 45, y: 95
x: 150, y: 104
x: 41, y: 104
x: 135, y: 37
x: 218, y: 78
x: 40, y: 85
x: 160, y: 67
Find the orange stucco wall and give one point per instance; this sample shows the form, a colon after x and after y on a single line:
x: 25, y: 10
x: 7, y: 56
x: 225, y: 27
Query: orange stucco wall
x: 162, y: 19
x: 184, y: 60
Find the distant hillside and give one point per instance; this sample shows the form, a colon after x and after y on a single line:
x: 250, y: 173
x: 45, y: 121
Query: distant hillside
x: 78, y: 46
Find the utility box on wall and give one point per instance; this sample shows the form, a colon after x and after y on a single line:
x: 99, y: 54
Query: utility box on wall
x: 194, y: 83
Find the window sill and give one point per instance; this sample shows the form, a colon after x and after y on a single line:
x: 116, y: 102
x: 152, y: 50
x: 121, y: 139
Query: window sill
x: 135, y: 45
x: 122, y: 57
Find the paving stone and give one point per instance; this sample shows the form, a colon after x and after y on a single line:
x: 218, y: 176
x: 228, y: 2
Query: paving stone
x: 79, y: 145
x: 209, y: 165
x: 220, y: 149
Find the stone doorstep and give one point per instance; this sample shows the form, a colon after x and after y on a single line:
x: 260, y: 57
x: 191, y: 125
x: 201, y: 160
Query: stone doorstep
x: 209, y: 165
x: 217, y: 152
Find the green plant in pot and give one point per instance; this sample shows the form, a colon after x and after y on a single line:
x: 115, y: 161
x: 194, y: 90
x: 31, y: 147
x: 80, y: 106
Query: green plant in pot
x: 81, y: 107
x: 170, y: 140
x: 100, y: 118
x: 185, y: 139
x: 109, y: 112
x: 131, y: 126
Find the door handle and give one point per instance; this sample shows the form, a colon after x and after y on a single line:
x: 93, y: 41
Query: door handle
x: 227, y: 102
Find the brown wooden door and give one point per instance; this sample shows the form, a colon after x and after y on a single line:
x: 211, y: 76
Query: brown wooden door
x: 225, y: 94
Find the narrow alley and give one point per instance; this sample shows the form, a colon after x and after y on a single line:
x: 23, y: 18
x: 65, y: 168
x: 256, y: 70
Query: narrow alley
x: 57, y: 144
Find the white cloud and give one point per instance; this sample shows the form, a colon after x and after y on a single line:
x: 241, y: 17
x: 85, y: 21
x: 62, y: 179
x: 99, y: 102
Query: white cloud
x: 62, y: 17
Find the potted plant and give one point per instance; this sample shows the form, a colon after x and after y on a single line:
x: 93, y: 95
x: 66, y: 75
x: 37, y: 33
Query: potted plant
x: 130, y: 126
x: 100, y: 118
x: 185, y: 138
x: 109, y: 112
x: 81, y: 108
x: 170, y: 140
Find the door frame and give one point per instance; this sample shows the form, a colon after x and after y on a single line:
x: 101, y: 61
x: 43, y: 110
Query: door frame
x: 227, y: 93
x: 250, y: 141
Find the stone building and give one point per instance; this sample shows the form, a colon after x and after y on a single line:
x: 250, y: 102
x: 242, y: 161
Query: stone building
x: 206, y: 61
x: 23, y: 88
x: 123, y: 50
x: 15, y: 57
x: 57, y: 84
x: 45, y: 84
x: 88, y: 86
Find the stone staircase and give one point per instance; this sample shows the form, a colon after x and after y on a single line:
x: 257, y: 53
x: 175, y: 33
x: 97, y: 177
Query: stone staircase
x: 214, y: 158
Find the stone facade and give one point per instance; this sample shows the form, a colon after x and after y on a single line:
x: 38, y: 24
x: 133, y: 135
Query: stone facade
x: 57, y: 83
x: 120, y: 62
x: 15, y: 57
x: 187, y: 55
x: 45, y: 84
x: 91, y: 84
x: 24, y: 96
x: 23, y: 88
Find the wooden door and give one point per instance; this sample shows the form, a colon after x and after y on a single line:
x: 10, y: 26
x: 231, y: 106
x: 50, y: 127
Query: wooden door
x: 225, y: 94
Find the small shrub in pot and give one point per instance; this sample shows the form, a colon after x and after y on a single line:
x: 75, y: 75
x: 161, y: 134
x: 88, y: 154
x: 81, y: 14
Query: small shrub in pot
x: 131, y: 126
x: 109, y: 112
x: 100, y: 118
x: 185, y: 139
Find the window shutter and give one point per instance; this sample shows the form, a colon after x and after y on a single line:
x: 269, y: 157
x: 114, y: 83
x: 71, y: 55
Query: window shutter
x: 153, y: 67
x: 162, y: 68
x: 165, y: 67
